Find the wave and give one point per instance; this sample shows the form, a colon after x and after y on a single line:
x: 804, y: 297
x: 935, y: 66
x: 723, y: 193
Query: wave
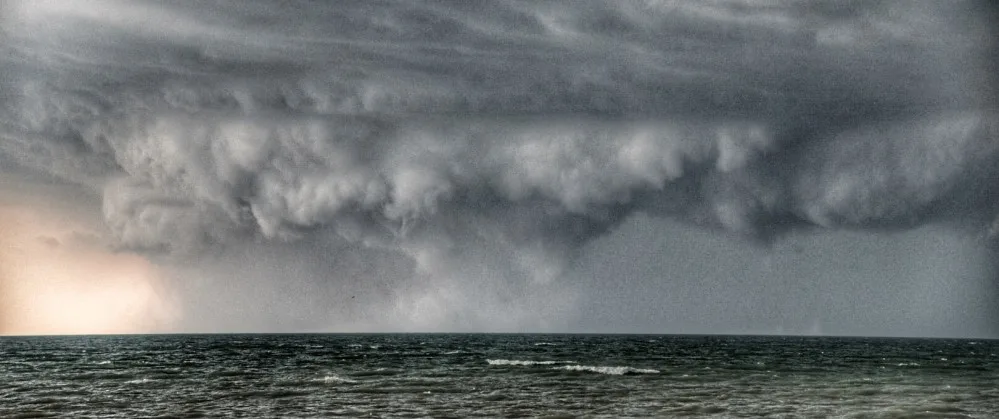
x: 378, y: 372
x: 139, y: 381
x: 525, y: 363
x: 333, y: 378
x: 607, y: 370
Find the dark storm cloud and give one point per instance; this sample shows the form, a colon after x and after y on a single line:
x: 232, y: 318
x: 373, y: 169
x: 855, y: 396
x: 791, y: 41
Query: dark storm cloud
x: 508, y: 133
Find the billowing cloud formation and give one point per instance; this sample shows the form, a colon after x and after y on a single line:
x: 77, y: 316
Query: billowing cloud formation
x: 503, y: 134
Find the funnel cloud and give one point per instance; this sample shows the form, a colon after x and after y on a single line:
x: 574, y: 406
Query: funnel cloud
x: 654, y: 166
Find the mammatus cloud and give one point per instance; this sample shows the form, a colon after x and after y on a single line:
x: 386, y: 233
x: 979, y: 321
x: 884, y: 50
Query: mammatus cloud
x: 502, y: 136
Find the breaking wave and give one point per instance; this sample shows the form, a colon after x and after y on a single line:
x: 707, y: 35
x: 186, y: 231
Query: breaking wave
x: 333, y: 378
x: 607, y: 370
x: 525, y: 363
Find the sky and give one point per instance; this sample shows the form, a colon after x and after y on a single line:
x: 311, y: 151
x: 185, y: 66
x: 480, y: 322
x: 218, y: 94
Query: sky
x: 764, y: 167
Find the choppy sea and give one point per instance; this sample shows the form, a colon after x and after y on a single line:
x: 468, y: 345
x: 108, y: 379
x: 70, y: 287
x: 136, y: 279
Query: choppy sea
x: 496, y: 375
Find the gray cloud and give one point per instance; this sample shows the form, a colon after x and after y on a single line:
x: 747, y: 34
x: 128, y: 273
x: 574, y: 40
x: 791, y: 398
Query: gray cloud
x: 505, y: 135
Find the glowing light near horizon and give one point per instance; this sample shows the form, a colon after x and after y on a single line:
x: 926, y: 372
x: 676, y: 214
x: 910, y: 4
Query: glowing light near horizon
x: 52, y: 282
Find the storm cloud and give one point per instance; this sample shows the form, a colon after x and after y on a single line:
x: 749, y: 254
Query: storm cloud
x: 470, y: 151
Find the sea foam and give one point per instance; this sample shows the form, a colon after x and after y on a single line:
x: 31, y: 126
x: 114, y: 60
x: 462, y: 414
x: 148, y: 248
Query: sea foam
x: 525, y: 363
x: 607, y: 370
x: 333, y: 378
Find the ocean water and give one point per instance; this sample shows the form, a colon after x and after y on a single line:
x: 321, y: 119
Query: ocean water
x: 487, y: 375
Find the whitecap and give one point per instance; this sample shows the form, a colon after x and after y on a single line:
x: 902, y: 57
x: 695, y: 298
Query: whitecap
x: 545, y: 344
x: 607, y: 370
x: 333, y: 378
x: 138, y: 381
x: 525, y: 363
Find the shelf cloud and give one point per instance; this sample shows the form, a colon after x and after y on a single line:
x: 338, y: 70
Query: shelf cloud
x: 464, y: 152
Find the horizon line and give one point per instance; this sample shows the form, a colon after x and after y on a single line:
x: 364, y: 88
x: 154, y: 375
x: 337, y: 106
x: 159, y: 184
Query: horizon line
x: 772, y: 335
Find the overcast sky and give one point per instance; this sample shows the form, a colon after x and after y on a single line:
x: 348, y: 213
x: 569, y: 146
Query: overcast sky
x: 645, y: 166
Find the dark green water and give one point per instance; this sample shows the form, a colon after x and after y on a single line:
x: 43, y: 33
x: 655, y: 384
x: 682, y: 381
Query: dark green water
x: 412, y: 375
